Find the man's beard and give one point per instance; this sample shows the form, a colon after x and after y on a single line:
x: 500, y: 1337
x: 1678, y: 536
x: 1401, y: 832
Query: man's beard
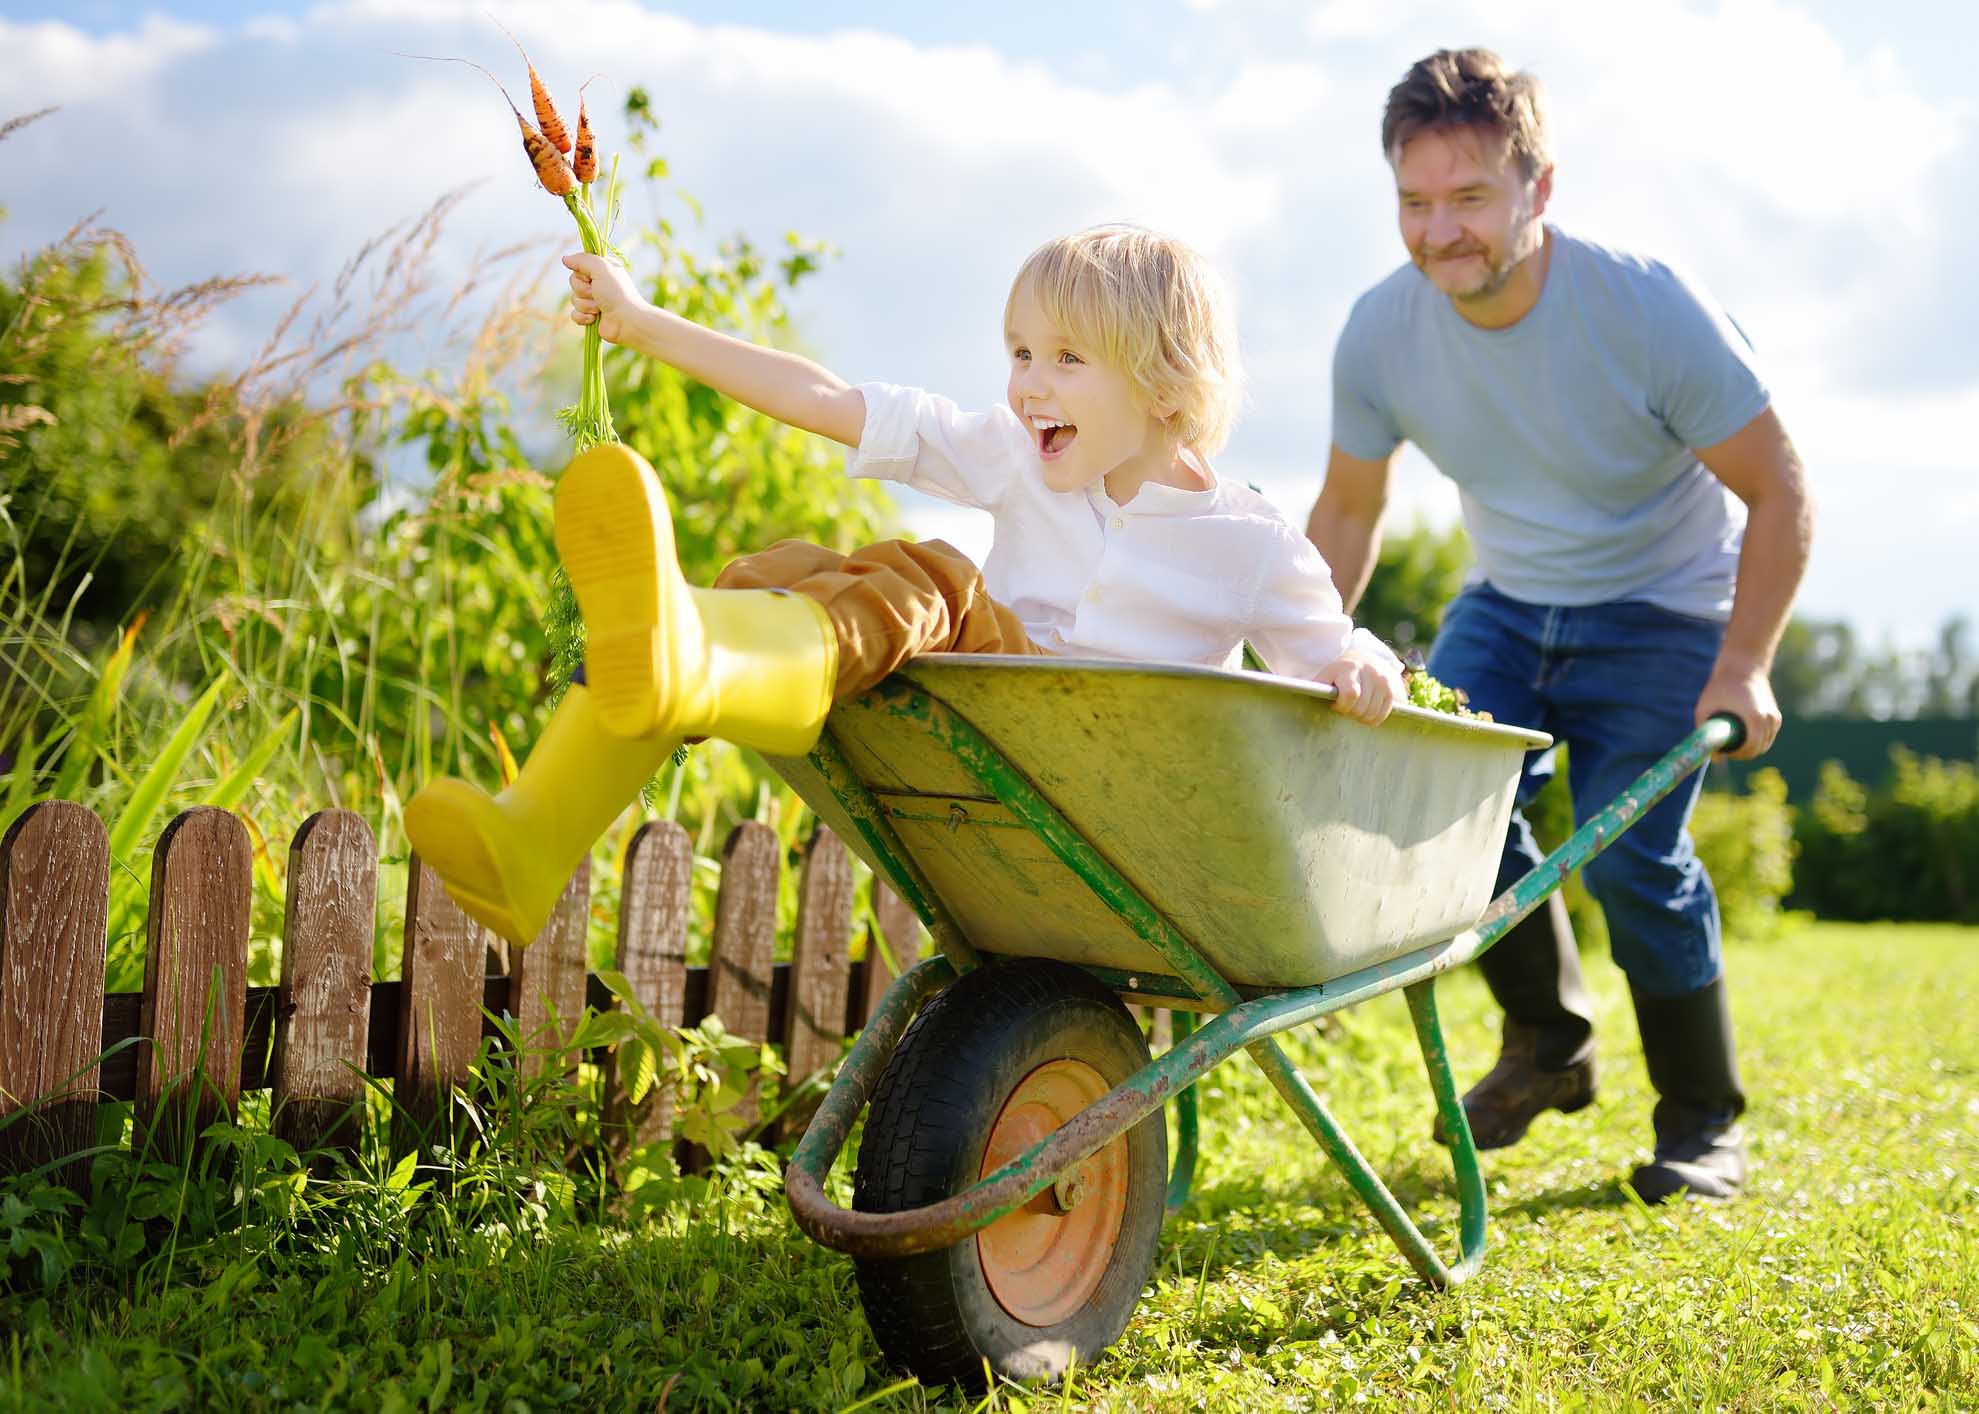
x: 1497, y: 273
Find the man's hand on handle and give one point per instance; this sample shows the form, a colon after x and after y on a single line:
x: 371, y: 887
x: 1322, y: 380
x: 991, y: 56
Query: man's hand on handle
x: 1747, y: 696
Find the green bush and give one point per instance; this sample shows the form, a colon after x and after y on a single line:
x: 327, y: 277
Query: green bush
x: 111, y: 463
x: 1418, y: 573
x: 1908, y: 850
x: 1746, y: 841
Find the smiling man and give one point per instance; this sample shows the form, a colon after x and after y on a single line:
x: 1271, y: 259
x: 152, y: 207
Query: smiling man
x: 1640, y: 522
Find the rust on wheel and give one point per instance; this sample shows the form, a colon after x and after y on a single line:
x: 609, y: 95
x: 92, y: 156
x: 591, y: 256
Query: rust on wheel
x: 1043, y: 1261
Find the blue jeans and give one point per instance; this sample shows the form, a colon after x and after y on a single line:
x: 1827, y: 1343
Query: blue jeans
x: 1618, y: 684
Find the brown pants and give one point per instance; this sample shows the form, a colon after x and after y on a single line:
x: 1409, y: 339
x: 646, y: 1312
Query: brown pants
x: 888, y: 603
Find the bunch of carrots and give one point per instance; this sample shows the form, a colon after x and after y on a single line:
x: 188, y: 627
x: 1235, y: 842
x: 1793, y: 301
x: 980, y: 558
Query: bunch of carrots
x: 546, y: 141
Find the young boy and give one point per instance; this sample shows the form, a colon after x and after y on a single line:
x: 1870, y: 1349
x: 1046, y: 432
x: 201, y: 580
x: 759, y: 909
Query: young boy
x: 1114, y: 538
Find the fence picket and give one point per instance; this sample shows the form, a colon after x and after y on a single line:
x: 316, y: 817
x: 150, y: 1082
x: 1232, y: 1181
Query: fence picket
x: 54, y: 895
x: 742, y: 951
x: 439, y: 1007
x: 655, y: 902
x: 324, y: 1012
x: 195, y: 980
x: 548, y: 975
x: 814, y: 1022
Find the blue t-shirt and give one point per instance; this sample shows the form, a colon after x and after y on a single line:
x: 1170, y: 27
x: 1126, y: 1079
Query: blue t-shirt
x: 1570, y: 433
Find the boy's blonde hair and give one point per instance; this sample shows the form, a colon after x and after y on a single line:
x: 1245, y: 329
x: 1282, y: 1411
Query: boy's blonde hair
x: 1152, y: 308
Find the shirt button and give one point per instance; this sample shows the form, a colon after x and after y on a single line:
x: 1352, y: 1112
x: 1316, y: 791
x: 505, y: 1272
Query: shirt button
x: 1119, y: 522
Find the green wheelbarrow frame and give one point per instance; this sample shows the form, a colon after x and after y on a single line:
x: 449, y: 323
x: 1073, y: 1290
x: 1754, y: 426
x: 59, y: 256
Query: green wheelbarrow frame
x: 1248, y: 1018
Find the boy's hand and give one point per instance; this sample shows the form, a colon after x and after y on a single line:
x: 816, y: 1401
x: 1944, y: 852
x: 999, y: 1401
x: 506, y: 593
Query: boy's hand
x: 1368, y: 687
x: 602, y: 292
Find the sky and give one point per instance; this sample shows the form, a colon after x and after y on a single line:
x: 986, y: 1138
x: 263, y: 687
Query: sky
x: 1814, y: 163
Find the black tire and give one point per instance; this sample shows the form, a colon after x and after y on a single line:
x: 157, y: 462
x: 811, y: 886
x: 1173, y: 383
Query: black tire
x: 935, y: 1315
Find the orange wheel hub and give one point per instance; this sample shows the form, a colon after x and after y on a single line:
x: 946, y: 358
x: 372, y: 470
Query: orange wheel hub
x: 1043, y: 1261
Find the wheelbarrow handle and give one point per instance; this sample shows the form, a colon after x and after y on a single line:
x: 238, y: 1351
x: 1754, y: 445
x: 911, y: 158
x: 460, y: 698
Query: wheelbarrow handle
x: 1734, y: 728
x: 1721, y: 732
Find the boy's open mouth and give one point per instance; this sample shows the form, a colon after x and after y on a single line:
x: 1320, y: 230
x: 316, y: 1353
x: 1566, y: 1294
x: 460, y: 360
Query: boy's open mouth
x: 1053, y: 436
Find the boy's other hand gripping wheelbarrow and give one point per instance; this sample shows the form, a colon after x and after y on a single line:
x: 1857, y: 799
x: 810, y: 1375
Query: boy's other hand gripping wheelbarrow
x: 1076, y: 833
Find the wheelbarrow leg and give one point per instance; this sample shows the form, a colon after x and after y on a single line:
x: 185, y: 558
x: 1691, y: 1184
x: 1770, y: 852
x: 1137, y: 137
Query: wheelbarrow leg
x: 1312, y: 1112
x: 1182, y: 1172
x: 1450, y: 1107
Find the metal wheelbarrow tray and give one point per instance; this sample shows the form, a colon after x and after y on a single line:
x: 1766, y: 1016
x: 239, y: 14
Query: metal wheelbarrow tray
x: 1073, y: 832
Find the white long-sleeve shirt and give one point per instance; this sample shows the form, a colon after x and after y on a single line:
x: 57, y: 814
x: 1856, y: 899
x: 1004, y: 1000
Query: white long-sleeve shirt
x: 1183, y: 576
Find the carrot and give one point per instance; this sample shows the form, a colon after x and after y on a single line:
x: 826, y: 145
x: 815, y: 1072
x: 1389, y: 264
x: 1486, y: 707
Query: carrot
x: 585, y: 160
x: 539, y: 94
x: 551, y: 170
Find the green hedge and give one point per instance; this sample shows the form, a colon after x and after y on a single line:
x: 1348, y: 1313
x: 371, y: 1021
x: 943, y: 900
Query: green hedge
x: 1906, y: 851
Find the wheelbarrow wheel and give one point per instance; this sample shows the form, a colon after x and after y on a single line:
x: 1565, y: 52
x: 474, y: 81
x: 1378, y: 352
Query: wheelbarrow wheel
x: 992, y: 1065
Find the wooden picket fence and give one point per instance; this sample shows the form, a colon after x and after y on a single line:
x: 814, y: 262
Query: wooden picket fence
x: 202, y: 1036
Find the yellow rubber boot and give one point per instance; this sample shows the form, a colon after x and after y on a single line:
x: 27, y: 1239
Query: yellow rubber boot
x: 772, y: 662
x: 506, y: 858
x: 645, y: 656
x: 751, y: 666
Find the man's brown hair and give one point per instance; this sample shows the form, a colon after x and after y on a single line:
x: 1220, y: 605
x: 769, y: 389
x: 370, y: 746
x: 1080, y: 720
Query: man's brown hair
x: 1468, y: 88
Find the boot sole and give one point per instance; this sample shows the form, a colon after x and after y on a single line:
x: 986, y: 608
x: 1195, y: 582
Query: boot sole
x: 1655, y: 1187
x: 614, y: 533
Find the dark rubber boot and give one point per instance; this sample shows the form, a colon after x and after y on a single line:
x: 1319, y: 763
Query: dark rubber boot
x: 1546, y: 1060
x: 1687, y: 1042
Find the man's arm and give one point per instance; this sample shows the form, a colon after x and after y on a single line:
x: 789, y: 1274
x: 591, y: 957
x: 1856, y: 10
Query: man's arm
x: 1762, y: 469
x: 1345, y: 526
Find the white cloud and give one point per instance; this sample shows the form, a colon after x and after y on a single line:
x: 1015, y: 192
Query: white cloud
x: 1269, y: 97
x: 1809, y: 185
x: 1350, y: 19
x: 51, y: 62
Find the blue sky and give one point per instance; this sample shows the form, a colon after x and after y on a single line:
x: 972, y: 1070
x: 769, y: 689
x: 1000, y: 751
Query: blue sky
x: 1937, y: 38
x: 1814, y: 163
x: 1111, y: 39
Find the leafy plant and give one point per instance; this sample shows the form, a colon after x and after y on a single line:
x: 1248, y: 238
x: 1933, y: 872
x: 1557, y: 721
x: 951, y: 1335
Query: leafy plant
x: 33, y: 1234
x: 704, y: 1072
x: 1418, y: 571
x: 1746, y: 842
x: 1431, y: 695
x: 1908, y: 849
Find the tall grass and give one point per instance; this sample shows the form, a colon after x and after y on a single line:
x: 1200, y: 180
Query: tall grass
x: 358, y: 606
x: 277, y: 660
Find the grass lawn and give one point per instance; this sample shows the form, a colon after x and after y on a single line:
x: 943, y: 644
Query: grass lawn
x: 1847, y: 1278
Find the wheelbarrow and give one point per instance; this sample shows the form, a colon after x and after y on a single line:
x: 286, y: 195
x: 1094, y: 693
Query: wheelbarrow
x: 1077, y: 835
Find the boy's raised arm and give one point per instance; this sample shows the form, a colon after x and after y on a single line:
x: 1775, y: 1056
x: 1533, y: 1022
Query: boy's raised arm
x: 786, y: 386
